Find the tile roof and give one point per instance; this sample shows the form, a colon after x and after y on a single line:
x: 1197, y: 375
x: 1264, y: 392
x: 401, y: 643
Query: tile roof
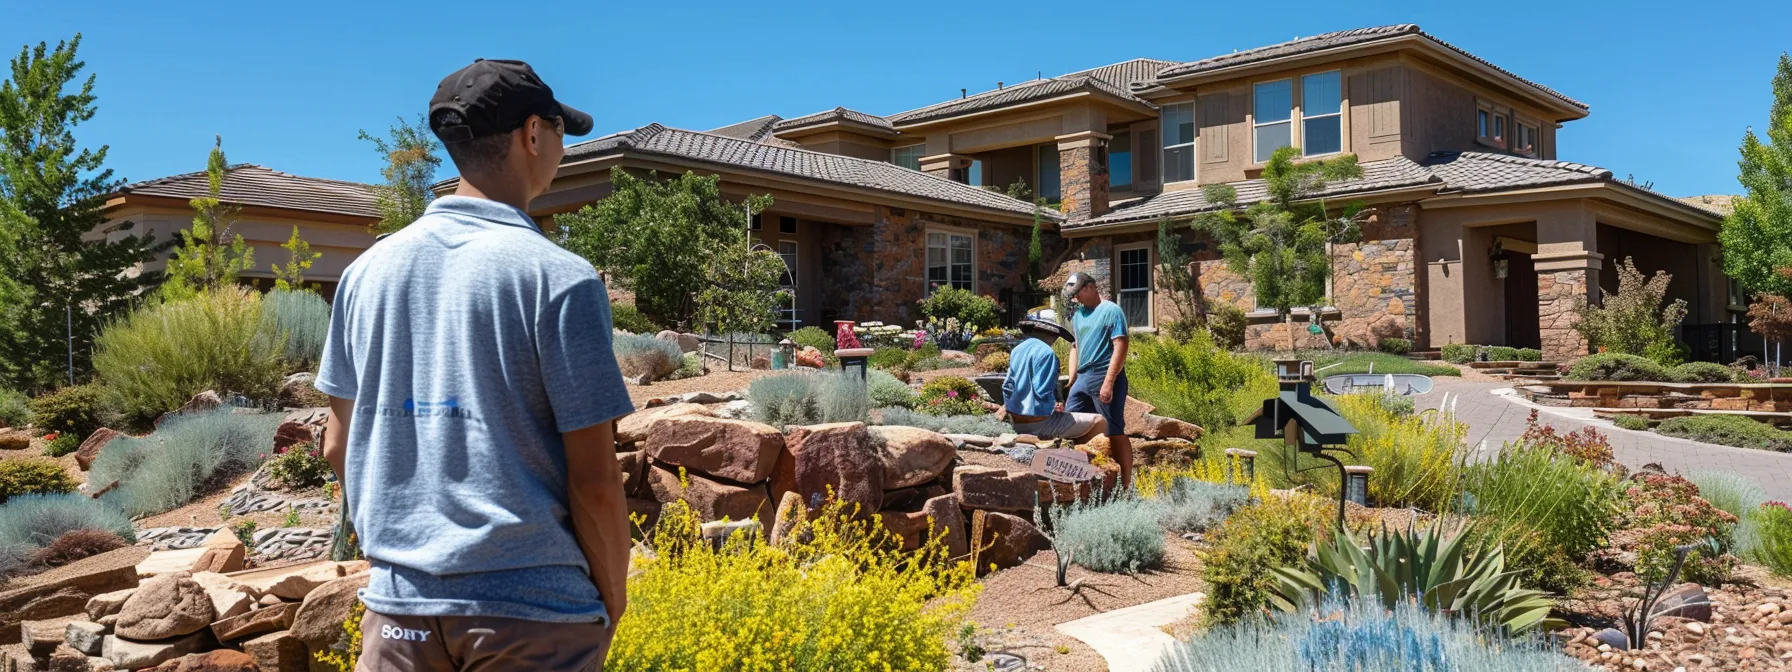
x: 1722, y: 204
x: 1110, y: 79
x: 751, y: 129
x: 1448, y: 172
x: 1334, y: 40
x: 800, y: 163
x: 249, y: 184
x: 836, y: 114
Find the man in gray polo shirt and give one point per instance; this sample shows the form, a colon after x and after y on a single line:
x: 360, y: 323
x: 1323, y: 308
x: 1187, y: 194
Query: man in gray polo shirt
x: 472, y: 397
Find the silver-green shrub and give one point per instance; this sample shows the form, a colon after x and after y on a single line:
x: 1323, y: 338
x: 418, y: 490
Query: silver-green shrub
x: 644, y: 355
x: 159, y: 356
x: 1117, y: 535
x: 799, y: 398
x: 980, y: 425
x: 1740, y: 496
x: 1363, y: 636
x: 36, y: 520
x: 299, y: 318
x: 1191, y: 505
x: 183, y: 459
x: 886, y: 391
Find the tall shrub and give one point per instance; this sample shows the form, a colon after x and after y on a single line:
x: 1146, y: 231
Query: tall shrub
x: 210, y: 256
x: 1254, y: 540
x: 1548, y: 509
x: 411, y: 163
x: 301, y: 320
x: 186, y: 457
x: 973, y: 311
x: 1634, y: 319
x: 1197, y: 381
x: 159, y: 356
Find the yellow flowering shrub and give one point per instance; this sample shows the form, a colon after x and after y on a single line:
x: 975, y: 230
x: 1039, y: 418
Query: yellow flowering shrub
x: 839, y: 595
x: 343, y: 660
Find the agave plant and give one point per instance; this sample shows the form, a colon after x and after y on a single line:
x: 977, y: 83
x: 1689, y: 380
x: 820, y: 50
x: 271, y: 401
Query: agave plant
x: 1455, y: 576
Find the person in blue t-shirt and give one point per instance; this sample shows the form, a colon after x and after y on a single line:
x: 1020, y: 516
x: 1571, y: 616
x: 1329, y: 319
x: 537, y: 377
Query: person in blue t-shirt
x: 1098, y: 364
x: 1030, y: 392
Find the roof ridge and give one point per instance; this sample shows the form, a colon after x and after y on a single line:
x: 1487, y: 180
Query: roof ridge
x: 168, y: 179
x: 839, y: 157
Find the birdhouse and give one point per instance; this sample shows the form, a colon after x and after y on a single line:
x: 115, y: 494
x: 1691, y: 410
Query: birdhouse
x: 1303, y: 422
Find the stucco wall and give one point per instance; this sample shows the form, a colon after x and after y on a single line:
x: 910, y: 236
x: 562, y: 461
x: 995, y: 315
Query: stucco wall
x: 339, y: 244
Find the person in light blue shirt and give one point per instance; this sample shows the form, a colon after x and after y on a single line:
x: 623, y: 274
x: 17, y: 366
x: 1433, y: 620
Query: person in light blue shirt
x: 1098, y: 365
x: 1030, y: 391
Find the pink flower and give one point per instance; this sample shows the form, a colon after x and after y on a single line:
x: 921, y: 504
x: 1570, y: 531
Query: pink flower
x: 952, y: 393
x: 264, y: 456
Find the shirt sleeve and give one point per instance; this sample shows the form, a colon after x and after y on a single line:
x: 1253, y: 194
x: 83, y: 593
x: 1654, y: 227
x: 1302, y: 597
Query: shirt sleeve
x: 1116, y: 324
x: 337, y: 374
x: 584, y: 385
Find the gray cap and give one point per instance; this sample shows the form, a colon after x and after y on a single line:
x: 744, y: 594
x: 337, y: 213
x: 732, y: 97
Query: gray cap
x: 1076, y: 282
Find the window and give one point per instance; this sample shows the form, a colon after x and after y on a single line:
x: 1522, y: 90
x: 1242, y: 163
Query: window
x: 1272, y: 113
x: 972, y: 176
x: 1179, y: 142
x: 1120, y: 162
x: 787, y: 250
x: 908, y: 157
x: 754, y: 221
x: 1321, y: 114
x: 1526, y: 138
x: 949, y: 260
x: 1048, y: 178
x: 1482, y: 121
x: 1490, y: 125
x: 786, y: 225
x: 1134, y: 285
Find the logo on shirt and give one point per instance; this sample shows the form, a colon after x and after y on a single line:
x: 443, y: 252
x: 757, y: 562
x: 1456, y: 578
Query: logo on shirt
x: 403, y: 634
x: 412, y: 408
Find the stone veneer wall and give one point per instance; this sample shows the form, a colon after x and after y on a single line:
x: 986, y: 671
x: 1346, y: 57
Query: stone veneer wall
x: 1083, y: 183
x: 1559, y: 294
x: 879, y: 272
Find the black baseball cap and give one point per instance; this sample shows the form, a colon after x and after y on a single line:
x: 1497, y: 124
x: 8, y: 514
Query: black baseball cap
x: 491, y: 97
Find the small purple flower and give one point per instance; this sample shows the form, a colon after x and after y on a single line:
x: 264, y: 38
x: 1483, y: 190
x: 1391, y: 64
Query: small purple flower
x: 952, y: 393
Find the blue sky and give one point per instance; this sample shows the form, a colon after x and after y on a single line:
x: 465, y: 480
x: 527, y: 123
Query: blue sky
x: 1671, y: 85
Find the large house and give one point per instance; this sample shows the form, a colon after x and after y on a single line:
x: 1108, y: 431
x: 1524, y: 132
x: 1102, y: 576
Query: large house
x: 1478, y: 233
x: 336, y: 218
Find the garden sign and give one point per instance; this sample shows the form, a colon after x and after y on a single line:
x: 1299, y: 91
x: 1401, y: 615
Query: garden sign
x: 1065, y: 465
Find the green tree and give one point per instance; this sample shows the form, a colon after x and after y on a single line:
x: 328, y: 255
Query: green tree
x: 744, y: 291
x: 298, y: 260
x: 411, y: 164
x: 1176, y: 276
x: 1281, y: 243
x: 657, y: 237
x: 52, y: 193
x: 210, y: 255
x: 1754, y: 235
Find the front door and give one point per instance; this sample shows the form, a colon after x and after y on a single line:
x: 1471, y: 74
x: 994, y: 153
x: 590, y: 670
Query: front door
x: 1523, y: 328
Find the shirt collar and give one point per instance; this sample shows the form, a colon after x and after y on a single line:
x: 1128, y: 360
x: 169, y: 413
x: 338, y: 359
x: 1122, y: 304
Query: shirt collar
x: 480, y: 208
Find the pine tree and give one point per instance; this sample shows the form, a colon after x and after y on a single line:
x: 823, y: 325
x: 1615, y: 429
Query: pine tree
x: 1755, y: 234
x: 210, y: 255
x: 411, y: 164
x: 57, y: 289
x: 298, y: 260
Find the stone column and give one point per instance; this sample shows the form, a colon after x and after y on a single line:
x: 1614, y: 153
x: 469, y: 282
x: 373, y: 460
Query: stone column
x: 1567, y: 278
x: 1083, y: 174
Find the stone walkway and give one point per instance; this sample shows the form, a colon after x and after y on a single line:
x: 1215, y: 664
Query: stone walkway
x: 1495, y: 414
x: 1131, y: 639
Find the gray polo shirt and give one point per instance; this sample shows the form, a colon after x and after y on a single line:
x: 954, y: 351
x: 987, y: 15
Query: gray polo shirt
x: 469, y: 343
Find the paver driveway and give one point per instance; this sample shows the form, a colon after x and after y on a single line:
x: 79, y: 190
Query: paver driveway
x: 1494, y: 418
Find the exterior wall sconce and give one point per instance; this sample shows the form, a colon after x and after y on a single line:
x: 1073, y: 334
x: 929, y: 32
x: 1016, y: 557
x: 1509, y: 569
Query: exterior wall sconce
x: 1500, y: 266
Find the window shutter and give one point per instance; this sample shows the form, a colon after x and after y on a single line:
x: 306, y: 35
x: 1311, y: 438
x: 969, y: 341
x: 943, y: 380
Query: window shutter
x: 1146, y: 152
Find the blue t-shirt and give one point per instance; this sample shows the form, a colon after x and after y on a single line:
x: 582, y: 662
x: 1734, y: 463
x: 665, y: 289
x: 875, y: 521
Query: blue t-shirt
x: 1096, y: 329
x: 469, y: 342
x: 1031, y: 387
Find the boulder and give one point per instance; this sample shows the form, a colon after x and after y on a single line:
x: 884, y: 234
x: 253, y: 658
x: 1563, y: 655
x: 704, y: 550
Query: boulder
x: 66, y: 590
x: 1688, y: 600
x: 995, y: 489
x: 633, y: 428
x: 689, y: 343
x: 911, y: 499
x: 268, y: 601
x: 292, y: 582
x: 292, y: 433
x: 221, y: 660
x: 791, y: 513
x: 224, y: 553
x: 712, y: 500
x: 958, y: 356
x: 227, y: 603
x: 837, y: 458
x: 41, y: 637
x: 131, y: 655
x: 278, y: 652
x: 107, y: 604
x: 166, y: 606
x: 648, y: 509
x: 255, y: 623
x: 911, y: 527
x: 717, y: 533
x: 947, y: 514
x: 66, y: 659
x: 1008, y: 541
x: 86, y: 636
x: 634, y: 470
x: 318, y: 622
x: 736, y: 450
x: 176, y: 561
x: 1155, y: 427
x: 14, y: 439
x: 90, y: 449
x: 912, y: 456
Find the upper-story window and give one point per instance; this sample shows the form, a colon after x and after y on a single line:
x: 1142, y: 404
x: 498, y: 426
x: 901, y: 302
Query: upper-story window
x: 1490, y: 125
x: 786, y: 225
x: 908, y: 157
x: 1321, y: 114
x: 1179, y: 142
x: 1526, y: 138
x: 1272, y: 112
x: 1120, y: 162
x: 1048, y: 176
x: 974, y: 175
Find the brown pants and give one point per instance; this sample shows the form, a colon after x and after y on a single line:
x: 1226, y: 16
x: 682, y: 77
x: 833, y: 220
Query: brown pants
x: 475, y: 644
